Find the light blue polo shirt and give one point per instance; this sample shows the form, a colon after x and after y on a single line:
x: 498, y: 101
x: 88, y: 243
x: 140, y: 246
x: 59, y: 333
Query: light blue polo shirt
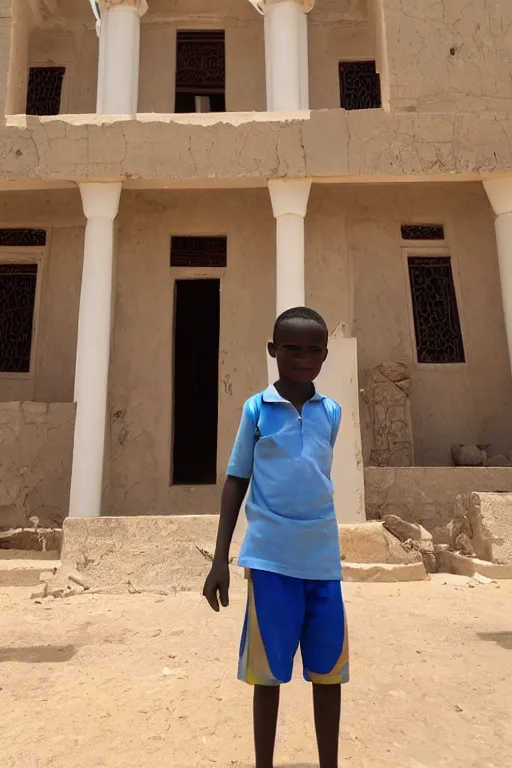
x: 292, y: 527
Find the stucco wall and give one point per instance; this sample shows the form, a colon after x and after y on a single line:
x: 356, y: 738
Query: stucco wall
x: 448, y: 55
x: 426, y: 494
x: 141, y: 373
x: 36, y: 443
x: 450, y: 403
x: 60, y: 269
x: 76, y: 49
x: 355, y: 274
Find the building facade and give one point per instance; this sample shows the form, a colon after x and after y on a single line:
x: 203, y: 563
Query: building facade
x: 173, y: 173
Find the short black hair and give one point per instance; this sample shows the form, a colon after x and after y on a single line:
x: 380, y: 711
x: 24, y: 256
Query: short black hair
x: 300, y: 313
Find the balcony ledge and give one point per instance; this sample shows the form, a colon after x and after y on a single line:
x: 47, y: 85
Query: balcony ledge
x: 232, y: 149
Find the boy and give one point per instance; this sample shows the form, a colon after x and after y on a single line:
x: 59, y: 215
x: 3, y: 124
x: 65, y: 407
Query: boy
x: 291, y: 550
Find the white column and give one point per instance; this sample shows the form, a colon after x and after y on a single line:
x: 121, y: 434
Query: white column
x: 499, y: 192
x: 118, y: 68
x: 289, y: 204
x: 100, y: 203
x: 286, y: 52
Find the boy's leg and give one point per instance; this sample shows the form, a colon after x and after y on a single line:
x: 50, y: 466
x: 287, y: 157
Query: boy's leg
x: 327, y: 705
x: 325, y: 655
x: 271, y: 635
x: 265, y: 709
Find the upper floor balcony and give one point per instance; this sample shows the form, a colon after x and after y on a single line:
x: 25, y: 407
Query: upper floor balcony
x: 210, y: 55
x: 337, y: 89
x: 195, y: 56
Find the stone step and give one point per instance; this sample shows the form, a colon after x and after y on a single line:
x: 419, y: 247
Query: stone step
x: 24, y: 569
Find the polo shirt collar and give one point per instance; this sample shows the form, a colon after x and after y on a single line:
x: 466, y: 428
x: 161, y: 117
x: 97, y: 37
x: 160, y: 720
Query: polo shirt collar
x: 271, y: 395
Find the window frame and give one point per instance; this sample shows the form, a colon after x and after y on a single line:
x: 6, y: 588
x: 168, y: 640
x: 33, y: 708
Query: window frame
x: 24, y: 255
x: 426, y: 249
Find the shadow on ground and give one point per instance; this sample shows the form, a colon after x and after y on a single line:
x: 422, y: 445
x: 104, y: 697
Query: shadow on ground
x: 38, y: 654
x: 503, y: 639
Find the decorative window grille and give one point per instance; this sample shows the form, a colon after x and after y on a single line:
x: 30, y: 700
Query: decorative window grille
x: 422, y: 232
x: 22, y: 238
x: 199, y: 251
x: 435, y: 311
x: 17, y: 301
x: 201, y: 71
x: 44, y: 90
x: 359, y: 85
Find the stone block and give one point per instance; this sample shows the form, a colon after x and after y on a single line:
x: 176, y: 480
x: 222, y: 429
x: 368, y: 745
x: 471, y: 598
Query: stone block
x: 372, y: 543
x: 388, y: 416
x: 490, y: 519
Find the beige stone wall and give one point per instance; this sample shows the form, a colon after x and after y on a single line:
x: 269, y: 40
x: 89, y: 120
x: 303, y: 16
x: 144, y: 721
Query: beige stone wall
x: 355, y: 272
x: 448, y: 55
x: 36, y: 443
x: 76, y: 49
x: 426, y: 495
x: 141, y: 373
x: 450, y: 403
x: 59, y: 275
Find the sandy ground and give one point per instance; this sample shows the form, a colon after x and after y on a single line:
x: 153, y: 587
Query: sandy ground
x: 147, y: 681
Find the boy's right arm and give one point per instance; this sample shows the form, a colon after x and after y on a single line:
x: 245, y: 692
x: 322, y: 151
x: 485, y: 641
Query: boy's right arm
x: 238, y: 477
x: 217, y: 582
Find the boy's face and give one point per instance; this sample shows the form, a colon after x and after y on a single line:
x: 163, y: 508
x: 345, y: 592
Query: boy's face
x: 300, y: 348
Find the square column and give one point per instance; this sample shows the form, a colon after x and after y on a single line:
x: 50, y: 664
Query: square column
x: 499, y: 192
x: 100, y: 203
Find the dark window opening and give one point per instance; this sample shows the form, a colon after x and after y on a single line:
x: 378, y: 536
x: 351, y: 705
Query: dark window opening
x: 436, y: 315
x: 198, y: 251
x: 200, y: 71
x: 196, y: 382
x: 422, y: 232
x: 17, y: 301
x: 359, y: 85
x: 44, y: 90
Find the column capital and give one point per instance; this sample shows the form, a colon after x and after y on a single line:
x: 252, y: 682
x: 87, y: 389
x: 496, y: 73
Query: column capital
x: 289, y: 198
x: 266, y: 5
x: 100, y: 200
x: 140, y: 6
x: 499, y: 192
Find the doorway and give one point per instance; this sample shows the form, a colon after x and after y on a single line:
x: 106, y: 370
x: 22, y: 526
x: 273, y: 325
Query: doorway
x: 196, y: 382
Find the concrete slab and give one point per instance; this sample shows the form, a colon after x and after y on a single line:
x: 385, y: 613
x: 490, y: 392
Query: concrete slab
x: 175, y: 552
x: 451, y: 562
x: 18, y: 570
x: 384, y: 572
x: 144, y: 552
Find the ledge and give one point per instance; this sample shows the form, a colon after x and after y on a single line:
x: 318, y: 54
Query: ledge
x: 249, y: 148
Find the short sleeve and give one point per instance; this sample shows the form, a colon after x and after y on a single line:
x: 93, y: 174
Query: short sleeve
x: 242, y: 455
x: 334, y: 411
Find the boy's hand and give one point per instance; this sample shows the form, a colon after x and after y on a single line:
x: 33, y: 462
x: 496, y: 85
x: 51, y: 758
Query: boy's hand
x: 217, y: 585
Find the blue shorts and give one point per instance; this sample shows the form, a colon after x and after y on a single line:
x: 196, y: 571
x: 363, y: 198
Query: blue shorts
x: 283, y: 613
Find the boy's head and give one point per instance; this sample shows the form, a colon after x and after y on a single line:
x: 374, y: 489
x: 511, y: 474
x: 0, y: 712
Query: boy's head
x: 299, y: 344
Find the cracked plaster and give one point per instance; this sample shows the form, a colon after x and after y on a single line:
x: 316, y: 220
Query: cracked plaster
x: 252, y: 148
x: 35, y: 462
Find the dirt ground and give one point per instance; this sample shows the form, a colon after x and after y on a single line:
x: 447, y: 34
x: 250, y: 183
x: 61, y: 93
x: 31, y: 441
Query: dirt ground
x: 145, y: 681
